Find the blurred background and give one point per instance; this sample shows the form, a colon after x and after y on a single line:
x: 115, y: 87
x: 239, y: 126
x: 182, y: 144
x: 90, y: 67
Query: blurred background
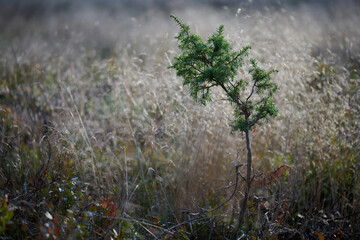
x: 100, y: 139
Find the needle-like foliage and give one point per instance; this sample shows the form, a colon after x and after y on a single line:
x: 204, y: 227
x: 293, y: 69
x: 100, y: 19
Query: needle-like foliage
x: 205, y: 65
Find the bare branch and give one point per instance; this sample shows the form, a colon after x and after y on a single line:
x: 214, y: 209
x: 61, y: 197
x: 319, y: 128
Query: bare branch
x: 209, y: 86
x: 252, y: 91
x: 237, y: 173
x: 238, y: 55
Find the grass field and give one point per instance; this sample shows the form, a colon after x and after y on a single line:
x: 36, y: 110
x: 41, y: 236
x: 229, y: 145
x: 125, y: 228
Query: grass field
x: 100, y: 140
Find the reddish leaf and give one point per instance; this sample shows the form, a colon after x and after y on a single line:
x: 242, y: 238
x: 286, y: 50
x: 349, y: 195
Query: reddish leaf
x: 320, y: 235
x: 273, y: 237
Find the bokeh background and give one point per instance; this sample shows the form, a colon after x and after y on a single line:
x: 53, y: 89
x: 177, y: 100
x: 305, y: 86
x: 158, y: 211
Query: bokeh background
x: 100, y: 139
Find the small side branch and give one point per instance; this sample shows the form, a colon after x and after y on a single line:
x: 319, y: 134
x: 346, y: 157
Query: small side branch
x: 202, y: 215
x: 242, y: 52
x: 208, y: 86
x: 252, y: 91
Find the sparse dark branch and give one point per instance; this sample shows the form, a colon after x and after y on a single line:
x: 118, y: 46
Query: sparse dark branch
x: 232, y: 194
x: 243, y: 178
x: 252, y: 91
x: 261, y: 101
x: 237, y: 100
x: 254, y: 122
x: 199, y: 70
x: 208, y: 86
x: 255, y: 176
x: 231, y: 83
x: 226, y: 187
x: 187, y: 221
x: 237, y: 173
x: 257, y: 118
x: 231, y: 100
x: 345, y: 217
x: 238, y: 55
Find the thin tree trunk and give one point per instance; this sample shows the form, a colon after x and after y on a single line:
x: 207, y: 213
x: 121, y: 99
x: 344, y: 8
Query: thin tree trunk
x: 247, y: 189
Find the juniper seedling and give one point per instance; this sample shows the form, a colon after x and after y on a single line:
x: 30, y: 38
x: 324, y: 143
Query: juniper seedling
x: 213, y: 64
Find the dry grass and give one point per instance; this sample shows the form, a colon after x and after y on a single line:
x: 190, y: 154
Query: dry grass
x: 87, y: 94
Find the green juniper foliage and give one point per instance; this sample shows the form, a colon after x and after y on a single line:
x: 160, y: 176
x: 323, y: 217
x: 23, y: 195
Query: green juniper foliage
x: 204, y: 65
